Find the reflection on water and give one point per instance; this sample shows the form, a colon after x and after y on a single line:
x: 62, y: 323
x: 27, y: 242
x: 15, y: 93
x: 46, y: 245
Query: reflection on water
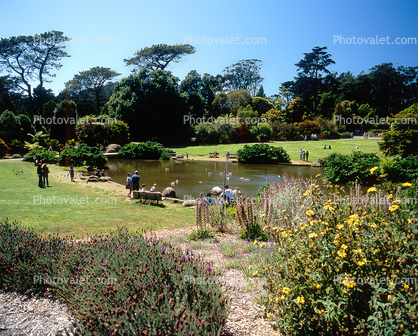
x: 195, y: 177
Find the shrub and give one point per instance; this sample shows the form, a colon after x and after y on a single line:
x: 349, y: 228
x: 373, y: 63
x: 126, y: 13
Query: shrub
x: 96, y: 133
x: 16, y: 156
x: 286, y: 132
x: 262, y: 132
x: 83, y: 155
x: 45, y: 155
x: 145, y: 151
x: 404, y: 169
x: 347, y: 169
x: 117, y: 284
x: 308, y: 127
x: 323, y: 273
x: 23, y: 255
x: 262, y: 153
x: 151, y: 288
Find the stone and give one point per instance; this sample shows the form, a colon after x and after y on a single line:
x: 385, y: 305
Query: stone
x: 169, y: 192
x: 113, y: 148
x: 216, y: 191
x: 105, y: 178
x: 189, y: 203
x: 316, y: 164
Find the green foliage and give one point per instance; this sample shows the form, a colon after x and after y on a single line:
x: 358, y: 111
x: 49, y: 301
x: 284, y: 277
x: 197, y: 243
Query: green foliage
x: 83, y: 155
x: 9, y: 126
x: 246, y: 114
x: 145, y: 151
x: 243, y: 75
x: 262, y: 153
x: 261, y: 105
x: 250, y: 222
x: 262, y: 132
x: 45, y: 155
x: 347, y: 169
x: 237, y: 99
x: 96, y: 133
x: 286, y: 132
x: 402, y: 169
x: 401, y: 139
x: 120, y: 283
x: 219, y: 131
x: 343, y: 267
x: 151, y: 105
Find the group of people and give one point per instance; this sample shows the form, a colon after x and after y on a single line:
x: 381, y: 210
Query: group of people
x: 226, y: 196
x: 132, y: 183
x: 325, y: 147
x: 99, y: 173
x: 42, y: 170
x: 304, y: 156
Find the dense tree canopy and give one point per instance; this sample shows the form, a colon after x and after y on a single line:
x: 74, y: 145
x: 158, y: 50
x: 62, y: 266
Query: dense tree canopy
x: 150, y: 103
x: 244, y: 74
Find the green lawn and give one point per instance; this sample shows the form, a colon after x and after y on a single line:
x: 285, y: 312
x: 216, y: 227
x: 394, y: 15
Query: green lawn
x: 315, y: 148
x: 21, y: 197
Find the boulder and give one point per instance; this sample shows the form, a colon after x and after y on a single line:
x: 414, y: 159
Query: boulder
x: 93, y: 178
x: 189, y: 203
x: 105, y: 178
x: 216, y: 191
x: 113, y: 148
x: 169, y: 192
x: 237, y: 193
x: 315, y: 164
x: 180, y: 156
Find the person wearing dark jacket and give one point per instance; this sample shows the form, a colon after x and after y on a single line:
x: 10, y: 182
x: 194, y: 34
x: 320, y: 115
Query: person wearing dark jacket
x: 45, y: 172
x: 39, y: 172
x: 135, y: 181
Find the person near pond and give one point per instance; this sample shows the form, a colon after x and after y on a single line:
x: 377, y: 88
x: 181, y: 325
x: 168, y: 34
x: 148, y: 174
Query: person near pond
x: 307, y: 156
x: 45, y: 172
x: 227, y: 155
x: 129, y: 183
x: 214, y: 154
x: 102, y: 173
x: 187, y: 155
x: 300, y: 153
x: 144, y: 187
x: 227, y: 195
x: 135, y: 181
x: 39, y: 172
x: 71, y: 171
x: 97, y: 173
x: 208, y: 199
x: 329, y: 147
x: 153, y: 187
x: 303, y: 156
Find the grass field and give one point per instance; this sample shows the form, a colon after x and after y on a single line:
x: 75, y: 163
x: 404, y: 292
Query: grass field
x: 315, y: 148
x: 20, y: 197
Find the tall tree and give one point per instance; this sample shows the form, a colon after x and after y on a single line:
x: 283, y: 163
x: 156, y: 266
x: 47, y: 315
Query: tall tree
x: 93, y: 81
x: 30, y: 58
x: 158, y: 57
x: 260, y: 92
x: 312, y: 73
x: 244, y: 74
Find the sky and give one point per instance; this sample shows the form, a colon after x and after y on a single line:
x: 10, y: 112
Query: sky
x: 277, y: 33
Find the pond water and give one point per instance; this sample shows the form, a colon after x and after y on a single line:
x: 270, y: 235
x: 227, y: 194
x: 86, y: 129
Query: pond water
x: 195, y: 177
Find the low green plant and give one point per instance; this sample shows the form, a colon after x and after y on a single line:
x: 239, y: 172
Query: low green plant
x: 45, y: 155
x: 262, y: 153
x: 82, y: 155
x: 145, y: 151
x: 16, y: 156
x: 347, y: 169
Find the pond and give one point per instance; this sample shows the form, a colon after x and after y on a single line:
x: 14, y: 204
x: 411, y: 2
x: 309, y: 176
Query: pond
x: 195, y: 177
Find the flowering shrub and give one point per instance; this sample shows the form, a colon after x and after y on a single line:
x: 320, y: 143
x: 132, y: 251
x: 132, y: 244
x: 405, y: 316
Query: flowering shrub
x: 118, y: 284
x: 262, y: 153
x: 343, y: 267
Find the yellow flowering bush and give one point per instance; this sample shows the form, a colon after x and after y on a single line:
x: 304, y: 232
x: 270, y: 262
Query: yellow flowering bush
x: 340, y: 268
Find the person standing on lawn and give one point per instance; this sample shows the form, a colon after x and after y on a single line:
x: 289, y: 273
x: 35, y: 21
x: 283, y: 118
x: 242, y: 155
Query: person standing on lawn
x: 307, y: 156
x: 129, y: 181
x: 45, y: 172
x: 39, y: 172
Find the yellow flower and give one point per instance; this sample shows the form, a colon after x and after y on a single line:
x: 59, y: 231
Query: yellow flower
x: 255, y: 273
x: 394, y: 207
x: 313, y: 235
x: 300, y: 299
x: 373, y: 170
x: 328, y: 207
x: 263, y: 215
x: 373, y: 225
x: 372, y: 189
x: 341, y: 253
x: 283, y: 210
x: 310, y: 213
x: 390, y: 196
x: 249, y: 267
x: 406, y: 287
x: 344, y: 247
x: 406, y: 184
x: 389, y: 297
x: 318, y: 286
x: 340, y: 226
x: 286, y: 290
x: 255, y: 242
x: 362, y: 262
x: 344, y: 291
